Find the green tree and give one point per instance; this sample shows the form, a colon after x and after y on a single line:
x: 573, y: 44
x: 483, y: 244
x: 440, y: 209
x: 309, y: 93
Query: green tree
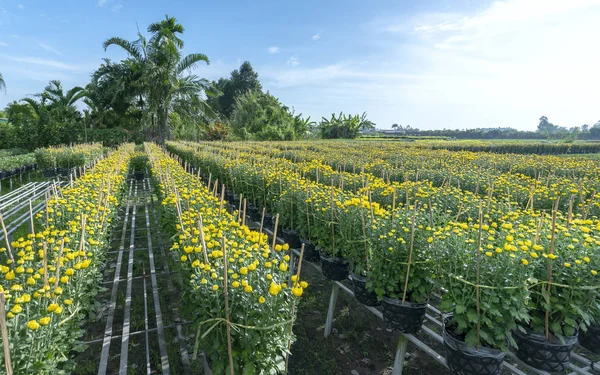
x: 260, y: 116
x: 241, y: 81
x: 2, y: 83
x: 163, y: 73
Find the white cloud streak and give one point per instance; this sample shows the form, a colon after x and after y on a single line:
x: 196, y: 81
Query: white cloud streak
x: 317, y: 36
x: 273, y: 50
x: 49, y: 48
x: 2, y: 44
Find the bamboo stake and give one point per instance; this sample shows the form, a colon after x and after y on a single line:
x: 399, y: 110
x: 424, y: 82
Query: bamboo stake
x: 3, y: 327
x: 58, y: 261
x: 222, y: 198
x: 225, y: 293
x: 275, y: 232
x: 31, y: 219
x: 10, y: 254
x: 45, y: 260
x: 262, y: 220
x: 240, y: 207
x: 552, y: 238
x: 287, y: 355
x: 244, y: 215
x: 477, y: 291
x: 410, y: 254
x: 332, y: 227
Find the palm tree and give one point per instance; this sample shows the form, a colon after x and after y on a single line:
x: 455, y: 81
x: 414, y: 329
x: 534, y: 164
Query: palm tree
x: 163, y: 80
x: 2, y: 83
x: 55, y: 95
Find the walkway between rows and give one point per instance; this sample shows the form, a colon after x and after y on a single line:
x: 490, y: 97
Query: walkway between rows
x: 137, y: 327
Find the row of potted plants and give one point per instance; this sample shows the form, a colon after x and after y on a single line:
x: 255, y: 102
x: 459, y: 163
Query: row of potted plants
x: 63, y: 159
x: 465, y: 174
x: 242, y: 290
x: 508, y: 278
x: 13, y: 165
x: 48, y: 279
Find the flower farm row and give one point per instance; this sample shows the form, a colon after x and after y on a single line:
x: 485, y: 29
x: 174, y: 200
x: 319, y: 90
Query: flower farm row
x: 511, y: 274
x: 51, y: 159
x: 242, y: 289
x: 49, y: 278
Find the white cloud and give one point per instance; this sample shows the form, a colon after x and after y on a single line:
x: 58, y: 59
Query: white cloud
x: 505, y: 65
x: 50, y: 48
x: 293, y: 61
x: 116, y: 8
x: 45, y: 62
x: 102, y: 3
x: 316, y: 36
x: 273, y: 49
x: 2, y: 44
x: 21, y: 6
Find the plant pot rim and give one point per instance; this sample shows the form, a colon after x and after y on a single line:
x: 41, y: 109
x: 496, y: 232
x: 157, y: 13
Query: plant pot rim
x: 358, y: 277
x: 541, y: 338
x: 398, y: 302
x: 458, y: 344
x: 333, y: 259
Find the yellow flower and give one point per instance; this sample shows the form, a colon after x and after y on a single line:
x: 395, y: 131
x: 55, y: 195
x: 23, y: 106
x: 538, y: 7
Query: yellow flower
x: 33, y: 325
x: 9, y: 276
x: 278, y: 247
x: 533, y: 255
x: 283, y: 267
x: 577, y: 261
x: 274, y: 289
x: 52, y: 307
x: 524, y: 262
x: 244, y: 270
x: 586, y: 259
x: 16, y: 309
x: 248, y: 289
x: 261, y: 299
x: 303, y: 284
x: 45, y: 321
x: 552, y: 256
x: 235, y: 284
x: 297, y: 291
x: 285, y: 247
x: 215, y: 287
x: 68, y: 301
x: 567, y: 265
x: 488, y: 253
x: 183, y: 258
x: 594, y: 272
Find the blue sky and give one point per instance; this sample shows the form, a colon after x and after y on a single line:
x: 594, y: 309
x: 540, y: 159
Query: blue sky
x: 430, y: 64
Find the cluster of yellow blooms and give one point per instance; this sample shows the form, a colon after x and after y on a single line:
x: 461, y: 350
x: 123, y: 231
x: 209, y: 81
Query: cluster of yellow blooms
x: 45, y: 277
x: 214, y: 248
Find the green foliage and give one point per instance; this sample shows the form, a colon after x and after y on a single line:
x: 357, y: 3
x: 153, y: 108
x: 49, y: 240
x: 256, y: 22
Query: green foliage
x: 259, y: 116
x: 2, y: 83
x: 344, y: 126
x: 241, y: 81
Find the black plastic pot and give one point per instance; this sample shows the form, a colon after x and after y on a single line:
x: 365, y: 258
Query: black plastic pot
x: 292, y: 238
x: 335, y: 268
x: 536, y: 351
x: 269, y: 221
x: 2, y: 173
x: 405, y: 317
x: 466, y: 360
x: 591, y: 339
x: 310, y: 252
x: 361, y: 293
x: 50, y: 172
x: 139, y: 176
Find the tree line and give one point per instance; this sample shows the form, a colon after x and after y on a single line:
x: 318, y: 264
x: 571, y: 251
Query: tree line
x: 153, y: 94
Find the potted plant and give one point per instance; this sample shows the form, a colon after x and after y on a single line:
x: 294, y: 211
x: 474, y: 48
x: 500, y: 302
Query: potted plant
x: 402, y: 267
x: 563, y: 297
x: 305, y: 224
x: 485, y: 276
x: 138, y: 166
x: 356, y: 214
x: 327, y: 230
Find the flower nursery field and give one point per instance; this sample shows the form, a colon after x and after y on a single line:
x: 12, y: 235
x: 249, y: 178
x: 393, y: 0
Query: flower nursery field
x: 198, y: 257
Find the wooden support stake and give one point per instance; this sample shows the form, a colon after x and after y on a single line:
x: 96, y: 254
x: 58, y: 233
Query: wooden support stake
x: 5, y: 344
x: 225, y: 293
x: 275, y: 232
x: 262, y: 220
x: 10, y: 254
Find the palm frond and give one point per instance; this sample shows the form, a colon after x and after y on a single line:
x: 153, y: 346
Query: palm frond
x: 190, y: 61
x: 130, y: 47
x: 2, y: 83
